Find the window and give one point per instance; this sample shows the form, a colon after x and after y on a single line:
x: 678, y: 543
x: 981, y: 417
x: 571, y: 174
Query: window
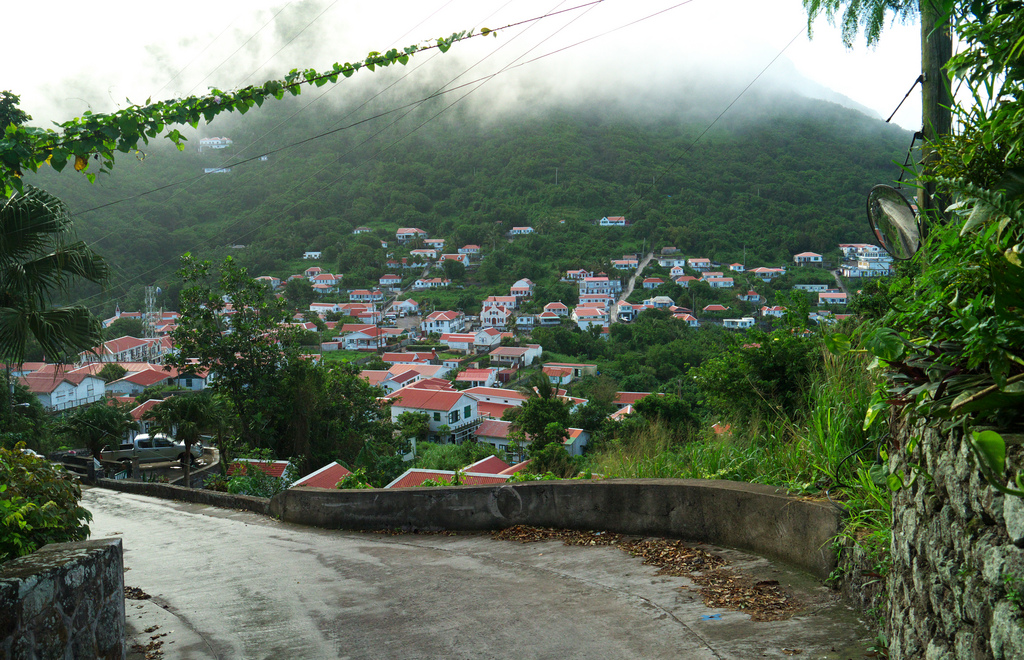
x: 162, y: 442
x: 467, y: 412
x: 188, y: 382
x: 453, y: 416
x: 146, y: 443
x: 437, y: 417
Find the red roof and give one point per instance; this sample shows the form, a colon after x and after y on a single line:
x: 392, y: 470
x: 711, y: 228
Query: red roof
x: 416, y: 476
x: 269, y: 468
x: 141, y: 411
x: 628, y: 398
x: 326, y: 477
x: 489, y: 465
x: 515, y: 468
x: 493, y: 428
x: 491, y: 409
x: 421, y: 399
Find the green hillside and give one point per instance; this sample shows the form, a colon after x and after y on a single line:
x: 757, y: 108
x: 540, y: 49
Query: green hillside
x: 793, y: 179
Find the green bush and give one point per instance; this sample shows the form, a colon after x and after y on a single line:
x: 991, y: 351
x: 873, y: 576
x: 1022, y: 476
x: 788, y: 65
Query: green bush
x: 39, y: 504
x: 250, y: 480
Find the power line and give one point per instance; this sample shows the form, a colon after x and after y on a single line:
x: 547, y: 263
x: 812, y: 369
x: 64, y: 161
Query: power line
x: 436, y: 94
x: 678, y: 158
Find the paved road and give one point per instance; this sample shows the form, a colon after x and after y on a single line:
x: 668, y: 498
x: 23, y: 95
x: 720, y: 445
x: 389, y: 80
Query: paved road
x: 629, y: 287
x: 238, y: 585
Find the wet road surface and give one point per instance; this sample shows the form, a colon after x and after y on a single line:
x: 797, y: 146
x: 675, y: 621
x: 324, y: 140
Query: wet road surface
x: 248, y: 586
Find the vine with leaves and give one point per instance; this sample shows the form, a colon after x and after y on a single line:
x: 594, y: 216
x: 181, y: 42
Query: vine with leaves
x: 99, y: 137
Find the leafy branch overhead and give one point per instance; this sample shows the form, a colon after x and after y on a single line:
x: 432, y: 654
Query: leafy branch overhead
x: 99, y: 136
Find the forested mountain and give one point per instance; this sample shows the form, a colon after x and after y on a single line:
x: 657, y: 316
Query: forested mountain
x: 775, y: 176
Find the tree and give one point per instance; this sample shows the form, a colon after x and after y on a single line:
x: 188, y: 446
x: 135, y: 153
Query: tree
x: 188, y: 415
x: 299, y: 292
x: 543, y: 418
x: 111, y: 371
x: 102, y: 423
x: 454, y: 270
x: 38, y: 264
x: 125, y: 327
x: 10, y: 113
x: 231, y: 328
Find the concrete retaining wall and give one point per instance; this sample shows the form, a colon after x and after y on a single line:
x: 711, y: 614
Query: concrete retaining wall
x: 194, y: 495
x: 65, y: 600
x: 761, y: 519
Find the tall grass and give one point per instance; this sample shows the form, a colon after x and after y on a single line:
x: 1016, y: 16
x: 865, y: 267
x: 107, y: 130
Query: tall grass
x: 808, y: 450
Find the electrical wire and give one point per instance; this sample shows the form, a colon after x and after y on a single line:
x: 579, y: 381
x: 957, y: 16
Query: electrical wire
x: 668, y: 168
x: 479, y: 80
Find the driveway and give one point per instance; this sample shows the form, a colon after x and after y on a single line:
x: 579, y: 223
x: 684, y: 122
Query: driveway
x: 232, y: 584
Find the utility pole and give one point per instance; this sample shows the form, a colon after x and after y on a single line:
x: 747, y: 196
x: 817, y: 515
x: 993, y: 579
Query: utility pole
x: 936, y: 96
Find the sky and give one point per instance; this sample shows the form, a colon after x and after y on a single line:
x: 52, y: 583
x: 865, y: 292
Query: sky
x: 72, y: 57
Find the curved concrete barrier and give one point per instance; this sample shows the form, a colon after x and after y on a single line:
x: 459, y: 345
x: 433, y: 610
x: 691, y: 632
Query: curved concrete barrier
x: 194, y: 495
x: 761, y: 519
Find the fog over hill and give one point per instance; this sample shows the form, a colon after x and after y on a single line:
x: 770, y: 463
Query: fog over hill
x: 778, y: 172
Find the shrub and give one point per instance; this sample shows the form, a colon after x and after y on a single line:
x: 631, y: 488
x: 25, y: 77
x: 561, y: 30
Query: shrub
x: 250, y: 480
x: 39, y: 504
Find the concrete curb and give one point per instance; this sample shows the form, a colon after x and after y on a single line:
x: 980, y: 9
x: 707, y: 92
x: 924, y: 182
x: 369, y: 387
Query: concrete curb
x: 195, y: 495
x: 760, y: 519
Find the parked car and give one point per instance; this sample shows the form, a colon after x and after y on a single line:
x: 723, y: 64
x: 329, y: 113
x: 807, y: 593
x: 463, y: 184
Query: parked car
x: 150, y: 449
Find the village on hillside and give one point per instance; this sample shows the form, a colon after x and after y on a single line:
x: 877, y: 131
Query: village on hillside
x: 461, y: 370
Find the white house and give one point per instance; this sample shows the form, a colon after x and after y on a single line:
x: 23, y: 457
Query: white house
x: 719, y: 282
x: 585, y: 317
x: 737, y: 268
x: 557, y: 308
x: 486, y: 339
x: 311, y: 255
x: 495, y: 316
x: 522, y: 288
x: 508, y: 302
x: 699, y: 263
x: 461, y: 258
x: 672, y: 262
x: 739, y: 324
x: 688, y: 319
x: 653, y: 282
x: 406, y: 234
x: 815, y: 288
x: 408, y: 306
x: 214, y: 143
x: 455, y: 411
x: 469, y: 249
x: 750, y: 296
x: 600, y: 284
x: 613, y: 221
x: 777, y: 311
x: 807, y: 258
x: 832, y: 298
x: 390, y: 281
x: 520, y: 231
x: 444, y: 322
x: 432, y: 283
x: 463, y: 341
x: 64, y: 391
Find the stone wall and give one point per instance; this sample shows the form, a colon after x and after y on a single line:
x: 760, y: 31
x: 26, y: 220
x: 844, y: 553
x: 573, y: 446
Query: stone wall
x: 64, y: 601
x: 956, y: 586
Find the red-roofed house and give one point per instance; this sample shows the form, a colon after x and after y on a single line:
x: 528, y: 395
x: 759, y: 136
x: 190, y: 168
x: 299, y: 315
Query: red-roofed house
x: 133, y: 384
x: 489, y: 465
x: 460, y: 341
x: 687, y: 318
x: 276, y: 469
x: 64, y: 391
x: 777, y: 311
x: 456, y: 411
x: 613, y: 221
x: 461, y: 258
x: 326, y: 477
x: 406, y: 234
x: 653, y: 282
x: 716, y: 308
x: 409, y: 358
x: 469, y: 249
x: 750, y: 296
x: 390, y: 281
x: 807, y: 258
x: 125, y: 349
x: 416, y: 476
x: 699, y: 264
x: 444, y: 322
x: 409, y: 306
x: 478, y: 377
x: 486, y: 339
x: 832, y: 298
x: 558, y: 375
x: 623, y: 399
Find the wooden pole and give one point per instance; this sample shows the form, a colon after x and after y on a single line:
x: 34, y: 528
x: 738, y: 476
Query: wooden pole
x: 936, y: 95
